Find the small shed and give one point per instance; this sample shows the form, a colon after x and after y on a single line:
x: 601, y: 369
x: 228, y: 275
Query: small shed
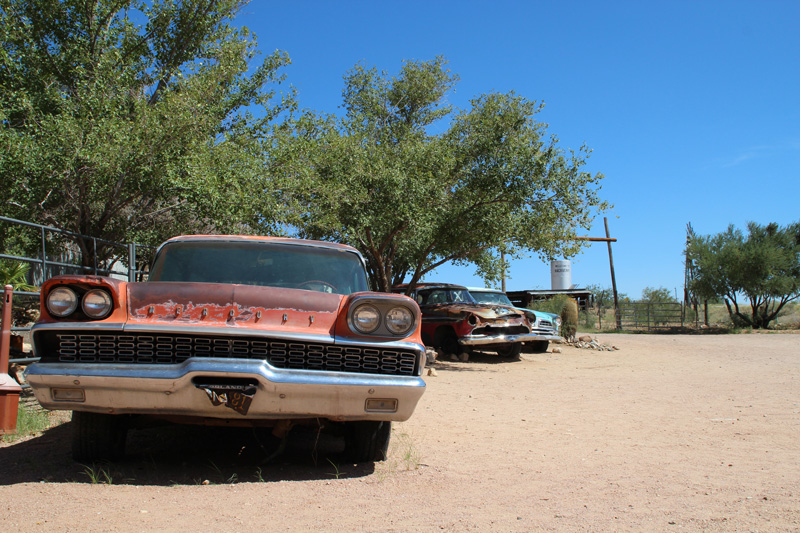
x: 527, y: 297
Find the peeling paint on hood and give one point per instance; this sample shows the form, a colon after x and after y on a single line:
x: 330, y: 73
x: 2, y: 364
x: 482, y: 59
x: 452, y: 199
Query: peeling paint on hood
x: 218, y: 304
x: 487, y: 312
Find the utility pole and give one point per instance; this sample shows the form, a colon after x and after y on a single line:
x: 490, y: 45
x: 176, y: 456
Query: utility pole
x: 607, y: 239
x: 613, y: 277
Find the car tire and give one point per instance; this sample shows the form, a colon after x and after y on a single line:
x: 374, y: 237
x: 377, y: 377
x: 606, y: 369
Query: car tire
x: 447, y: 340
x: 367, y: 441
x: 539, y: 346
x: 510, y: 351
x: 97, y: 437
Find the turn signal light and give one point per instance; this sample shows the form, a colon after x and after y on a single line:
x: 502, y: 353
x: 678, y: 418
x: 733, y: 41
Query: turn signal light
x: 381, y: 405
x: 68, y: 395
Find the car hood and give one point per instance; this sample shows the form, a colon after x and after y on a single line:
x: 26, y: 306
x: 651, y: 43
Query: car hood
x: 484, y: 311
x: 231, y: 305
x: 542, y: 314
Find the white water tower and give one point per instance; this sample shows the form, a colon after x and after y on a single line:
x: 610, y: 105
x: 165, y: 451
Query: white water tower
x: 560, y: 275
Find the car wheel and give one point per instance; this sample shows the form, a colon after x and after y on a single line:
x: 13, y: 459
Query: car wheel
x: 367, y: 441
x: 539, y: 346
x: 510, y: 351
x: 447, y: 340
x: 98, y: 436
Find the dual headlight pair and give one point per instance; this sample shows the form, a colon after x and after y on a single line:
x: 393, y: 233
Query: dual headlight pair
x: 367, y: 318
x: 95, y: 303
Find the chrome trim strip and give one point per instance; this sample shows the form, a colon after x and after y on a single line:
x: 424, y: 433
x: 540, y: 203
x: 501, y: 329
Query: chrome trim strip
x: 483, y: 340
x: 116, y: 326
x: 378, y: 343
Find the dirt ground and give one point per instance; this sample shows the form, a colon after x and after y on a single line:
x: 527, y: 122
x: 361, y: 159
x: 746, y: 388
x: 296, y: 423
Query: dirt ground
x: 668, y: 433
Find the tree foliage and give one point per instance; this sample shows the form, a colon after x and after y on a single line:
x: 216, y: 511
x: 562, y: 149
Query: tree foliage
x: 414, y: 184
x: 658, y: 295
x: 761, y: 267
x: 132, y: 120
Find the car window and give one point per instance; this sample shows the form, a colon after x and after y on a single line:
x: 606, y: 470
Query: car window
x: 460, y: 296
x: 258, y: 263
x: 444, y: 296
x: 491, y: 298
x: 436, y: 297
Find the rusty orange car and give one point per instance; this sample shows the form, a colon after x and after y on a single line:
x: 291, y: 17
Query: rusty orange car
x: 235, y: 331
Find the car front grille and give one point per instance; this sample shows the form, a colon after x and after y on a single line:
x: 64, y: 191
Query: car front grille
x: 171, y: 349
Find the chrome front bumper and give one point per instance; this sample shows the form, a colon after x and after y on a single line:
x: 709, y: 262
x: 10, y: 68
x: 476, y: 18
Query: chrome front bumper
x: 170, y: 390
x: 484, y: 340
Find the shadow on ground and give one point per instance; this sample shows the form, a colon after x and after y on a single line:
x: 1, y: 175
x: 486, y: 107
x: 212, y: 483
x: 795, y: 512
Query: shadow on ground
x: 448, y: 365
x: 183, y: 455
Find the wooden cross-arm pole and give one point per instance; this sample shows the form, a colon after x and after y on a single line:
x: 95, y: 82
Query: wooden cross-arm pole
x: 597, y: 239
x: 607, y: 239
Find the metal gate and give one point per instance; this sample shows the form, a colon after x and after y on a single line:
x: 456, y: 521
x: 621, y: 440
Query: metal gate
x: 650, y: 316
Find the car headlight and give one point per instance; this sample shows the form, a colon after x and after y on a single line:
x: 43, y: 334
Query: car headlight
x: 557, y: 321
x: 97, y: 303
x: 366, y: 318
x: 62, y: 302
x: 399, y: 320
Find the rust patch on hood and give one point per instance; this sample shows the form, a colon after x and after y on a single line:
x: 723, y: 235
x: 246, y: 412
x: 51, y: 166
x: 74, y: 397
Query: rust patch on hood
x: 485, y: 312
x: 219, y: 304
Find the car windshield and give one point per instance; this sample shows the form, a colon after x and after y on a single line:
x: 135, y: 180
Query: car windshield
x: 259, y: 263
x: 486, y: 297
x: 444, y: 296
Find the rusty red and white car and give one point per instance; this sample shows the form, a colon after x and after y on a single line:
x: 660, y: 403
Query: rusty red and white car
x: 454, y: 321
x: 233, y: 330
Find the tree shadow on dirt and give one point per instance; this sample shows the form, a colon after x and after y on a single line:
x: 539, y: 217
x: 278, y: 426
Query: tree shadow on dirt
x: 184, y: 455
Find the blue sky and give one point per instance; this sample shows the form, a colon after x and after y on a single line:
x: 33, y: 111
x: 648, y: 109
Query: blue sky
x: 691, y: 108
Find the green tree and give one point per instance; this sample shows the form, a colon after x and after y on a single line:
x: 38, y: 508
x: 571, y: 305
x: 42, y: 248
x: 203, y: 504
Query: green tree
x: 414, y: 184
x: 762, y: 267
x: 134, y: 120
x: 657, y: 296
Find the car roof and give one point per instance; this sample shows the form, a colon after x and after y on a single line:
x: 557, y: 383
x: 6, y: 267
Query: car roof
x: 260, y: 238
x: 484, y: 289
x: 431, y: 286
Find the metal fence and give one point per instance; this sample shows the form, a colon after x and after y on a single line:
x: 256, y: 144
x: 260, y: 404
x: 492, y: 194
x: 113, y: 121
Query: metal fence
x: 122, y: 265
x: 650, y: 316
x: 49, y: 266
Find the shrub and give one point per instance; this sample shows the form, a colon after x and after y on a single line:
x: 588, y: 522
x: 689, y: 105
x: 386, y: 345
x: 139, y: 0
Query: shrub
x: 569, y: 319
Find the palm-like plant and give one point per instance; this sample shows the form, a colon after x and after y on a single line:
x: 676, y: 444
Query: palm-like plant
x: 14, y: 273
